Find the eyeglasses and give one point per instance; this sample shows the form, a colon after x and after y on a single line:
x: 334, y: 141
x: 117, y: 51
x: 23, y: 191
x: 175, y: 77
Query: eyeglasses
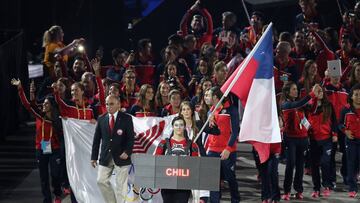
x: 130, y: 77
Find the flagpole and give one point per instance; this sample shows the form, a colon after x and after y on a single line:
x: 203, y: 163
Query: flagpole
x: 248, y: 17
x: 246, y: 62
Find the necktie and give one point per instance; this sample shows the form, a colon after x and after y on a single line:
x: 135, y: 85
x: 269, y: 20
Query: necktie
x: 112, y: 122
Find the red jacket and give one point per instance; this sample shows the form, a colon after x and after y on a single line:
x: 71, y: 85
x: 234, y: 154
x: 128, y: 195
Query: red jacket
x: 217, y: 143
x: 44, y: 128
x: 204, y: 37
x: 320, y: 130
x: 127, y: 100
x: 167, y: 110
x: 176, y: 146
x: 323, y: 56
x: 292, y: 116
x: 288, y: 69
x: 74, y: 111
x: 275, y: 148
x: 350, y: 120
x: 337, y: 96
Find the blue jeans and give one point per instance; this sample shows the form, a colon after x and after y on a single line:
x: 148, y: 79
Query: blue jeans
x: 228, y: 172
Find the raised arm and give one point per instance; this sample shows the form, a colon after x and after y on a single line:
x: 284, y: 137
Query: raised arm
x: 204, y: 12
x: 186, y: 18
x: 95, y: 63
x: 24, y: 100
x: 63, y: 107
x: 329, y: 54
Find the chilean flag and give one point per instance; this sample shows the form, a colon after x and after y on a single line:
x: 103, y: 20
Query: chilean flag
x: 253, y: 83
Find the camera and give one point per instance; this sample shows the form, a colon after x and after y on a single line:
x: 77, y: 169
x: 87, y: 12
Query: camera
x: 172, y: 82
x: 284, y: 77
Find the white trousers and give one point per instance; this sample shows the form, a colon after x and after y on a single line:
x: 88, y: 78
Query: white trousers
x: 110, y: 194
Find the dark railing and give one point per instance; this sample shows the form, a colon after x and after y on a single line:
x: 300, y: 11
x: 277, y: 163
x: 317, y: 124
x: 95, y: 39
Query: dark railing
x: 12, y: 65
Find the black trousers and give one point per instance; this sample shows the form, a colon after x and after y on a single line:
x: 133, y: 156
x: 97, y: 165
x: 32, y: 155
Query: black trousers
x: 175, y: 196
x: 353, y: 162
x: 295, y: 153
x: 321, y: 152
x: 53, y: 161
x: 270, y: 179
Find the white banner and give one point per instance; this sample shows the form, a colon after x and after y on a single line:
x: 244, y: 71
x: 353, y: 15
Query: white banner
x: 79, y: 135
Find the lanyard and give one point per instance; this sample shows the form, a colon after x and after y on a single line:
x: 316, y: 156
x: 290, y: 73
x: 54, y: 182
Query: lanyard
x: 78, y: 111
x: 43, y: 130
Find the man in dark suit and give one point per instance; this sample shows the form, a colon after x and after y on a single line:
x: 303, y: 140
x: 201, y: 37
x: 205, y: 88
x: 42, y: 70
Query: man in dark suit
x: 115, y: 130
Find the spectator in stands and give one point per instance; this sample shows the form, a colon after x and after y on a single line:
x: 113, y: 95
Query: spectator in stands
x: 106, y: 84
x: 114, y: 89
x: 227, y: 46
x: 129, y: 90
x: 177, y: 41
x: 203, y: 70
x: 287, y: 37
x: 99, y: 98
x: 143, y: 55
x: 162, y: 95
x: 115, y: 72
x: 174, y: 79
x: 204, y: 85
x: 309, y: 14
x: 189, y: 53
x: 320, y: 50
x: 220, y: 73
x: 300, y: 49
x: 254, y: 31
x: 64, y: 87
x: 52, y: 42
x: 145, y: 105
x: 48, y: 81
x: 79, y: 106
x: 88, y: 80
x: 332, y: 38
x: 205, y: 105
x: 300, y: 52
x: 228, y: 22
x: 174, y: 106
x: 285, y: 66
x: 203, y: 34
x: 354, y: 77
x: 171, y: 55
x: 78, y: 69
x: 346, y: 51
x: 309, y: 78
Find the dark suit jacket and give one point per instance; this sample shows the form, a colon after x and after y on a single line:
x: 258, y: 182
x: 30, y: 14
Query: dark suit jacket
x: 113, y: 145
